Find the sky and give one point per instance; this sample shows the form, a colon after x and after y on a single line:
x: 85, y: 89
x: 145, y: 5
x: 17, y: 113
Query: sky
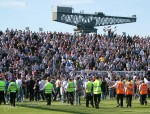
x: 35, y: 14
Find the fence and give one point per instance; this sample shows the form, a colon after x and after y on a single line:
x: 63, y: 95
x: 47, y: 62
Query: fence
x: 87, y: 73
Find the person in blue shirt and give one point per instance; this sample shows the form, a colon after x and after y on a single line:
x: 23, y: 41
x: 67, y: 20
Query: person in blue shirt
x: 6, y: 91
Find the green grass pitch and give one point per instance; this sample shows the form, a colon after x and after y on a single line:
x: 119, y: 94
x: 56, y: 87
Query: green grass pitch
x: 106, y: 107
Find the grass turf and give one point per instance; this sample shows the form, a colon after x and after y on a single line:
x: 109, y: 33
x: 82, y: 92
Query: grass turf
x: 57, y: 107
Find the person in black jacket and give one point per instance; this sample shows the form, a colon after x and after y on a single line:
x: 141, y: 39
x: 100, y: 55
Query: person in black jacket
x: 104, y: 88
x: 31, y: 90
x: 36, y: 90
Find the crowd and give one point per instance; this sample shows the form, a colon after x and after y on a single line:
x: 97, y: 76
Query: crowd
x: 41, y: 54
x: 30, y: 57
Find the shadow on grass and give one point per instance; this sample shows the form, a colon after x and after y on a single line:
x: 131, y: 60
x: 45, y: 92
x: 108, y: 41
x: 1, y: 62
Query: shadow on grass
x: 82, y: 109
x: 52, y: 108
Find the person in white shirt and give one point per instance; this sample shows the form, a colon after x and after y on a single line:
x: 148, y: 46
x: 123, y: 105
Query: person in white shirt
x: 20, y: 94
x: 41, y: 85
x: 64, y: 89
